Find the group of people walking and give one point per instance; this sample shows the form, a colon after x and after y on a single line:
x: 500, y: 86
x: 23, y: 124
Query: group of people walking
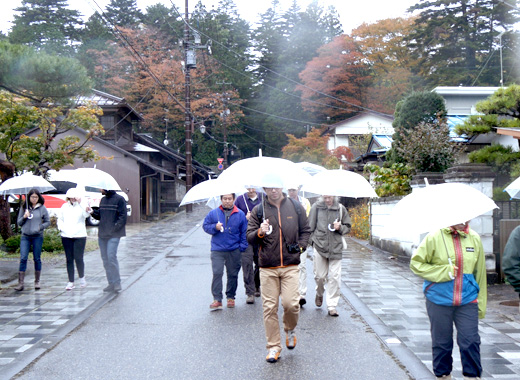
x: 33, y: 218
x: 274, y: 230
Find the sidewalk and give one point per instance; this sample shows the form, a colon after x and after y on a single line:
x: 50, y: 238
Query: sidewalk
x: 32, y: 322
x: 383, y: 291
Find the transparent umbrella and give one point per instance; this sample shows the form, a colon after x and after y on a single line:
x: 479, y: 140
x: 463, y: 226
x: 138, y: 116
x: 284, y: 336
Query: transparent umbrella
x: 438, y: 206
x: 514, y: 189
x: 340, y: 183
x: 251, y: 172
x: 23, y: 183
x: 211, y: 189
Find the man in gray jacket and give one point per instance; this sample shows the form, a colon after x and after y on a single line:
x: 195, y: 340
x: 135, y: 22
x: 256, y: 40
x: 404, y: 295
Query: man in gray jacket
x: 329, y: 221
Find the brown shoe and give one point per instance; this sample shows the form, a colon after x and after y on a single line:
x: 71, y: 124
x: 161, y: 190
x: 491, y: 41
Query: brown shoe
x: 37, y: 280
x: 230, y: 303
x: 319, y: 301
x: 216, y: 305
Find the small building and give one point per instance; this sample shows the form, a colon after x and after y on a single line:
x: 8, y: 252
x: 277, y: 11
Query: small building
x: 460, y: 104
x: 344, y: 132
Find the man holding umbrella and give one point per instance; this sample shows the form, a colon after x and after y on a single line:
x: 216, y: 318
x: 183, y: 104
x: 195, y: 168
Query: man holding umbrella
x: 112, y: 220
x: 280, y: 227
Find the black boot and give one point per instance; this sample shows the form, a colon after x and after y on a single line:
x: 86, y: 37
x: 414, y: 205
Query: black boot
x: 21, y: 277
x: 37, y: 279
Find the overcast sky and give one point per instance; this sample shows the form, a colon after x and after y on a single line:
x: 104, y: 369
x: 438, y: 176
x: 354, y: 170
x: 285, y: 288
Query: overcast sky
x: 352, y: 13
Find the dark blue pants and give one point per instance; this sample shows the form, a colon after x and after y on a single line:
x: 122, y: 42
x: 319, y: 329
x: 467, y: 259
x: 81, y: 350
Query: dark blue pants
x: 232, y: 262
x: 465, y: 319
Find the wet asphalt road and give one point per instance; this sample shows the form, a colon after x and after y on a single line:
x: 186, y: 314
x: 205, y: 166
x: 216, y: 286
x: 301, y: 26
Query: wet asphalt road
x: 161, y: 327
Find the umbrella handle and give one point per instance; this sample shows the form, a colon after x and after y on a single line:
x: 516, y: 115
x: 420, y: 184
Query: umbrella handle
x: 270, y: 230
x: 30, y: 216
x: 332, y: 229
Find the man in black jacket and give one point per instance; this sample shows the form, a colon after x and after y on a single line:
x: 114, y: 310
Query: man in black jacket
x: 112, y: 220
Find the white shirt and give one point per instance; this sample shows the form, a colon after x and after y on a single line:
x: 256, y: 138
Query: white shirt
x: 71, y: 220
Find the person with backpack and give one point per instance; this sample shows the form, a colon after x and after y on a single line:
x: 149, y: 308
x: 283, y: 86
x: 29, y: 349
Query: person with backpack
x: 329, y: 221
x: 280, y: 228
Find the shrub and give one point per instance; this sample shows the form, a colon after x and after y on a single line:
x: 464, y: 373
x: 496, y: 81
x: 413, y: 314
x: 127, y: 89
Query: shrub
x: 52, y: 241
x: 391, y: 181
x: 13, y: 243
x: 360, y: 220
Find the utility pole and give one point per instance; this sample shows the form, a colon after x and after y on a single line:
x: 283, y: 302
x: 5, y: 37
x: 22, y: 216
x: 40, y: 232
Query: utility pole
x: 187, y: 115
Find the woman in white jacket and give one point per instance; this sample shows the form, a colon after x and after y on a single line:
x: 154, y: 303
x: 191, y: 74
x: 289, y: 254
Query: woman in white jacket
x: 71, y: 223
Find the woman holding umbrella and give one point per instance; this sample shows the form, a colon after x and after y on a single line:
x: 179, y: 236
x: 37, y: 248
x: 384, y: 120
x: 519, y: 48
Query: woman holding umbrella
x: 71, y: 223
x: 451, y: 261
x: 33, y: 218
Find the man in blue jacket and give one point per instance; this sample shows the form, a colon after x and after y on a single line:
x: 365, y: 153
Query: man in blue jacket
x: 227, y: 226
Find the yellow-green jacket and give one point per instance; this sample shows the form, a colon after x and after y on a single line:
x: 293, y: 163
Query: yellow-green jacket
x: 434, y: 261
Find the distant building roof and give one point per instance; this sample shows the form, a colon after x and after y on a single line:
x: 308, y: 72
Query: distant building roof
x: 104, y: 100
x: 461, y: 90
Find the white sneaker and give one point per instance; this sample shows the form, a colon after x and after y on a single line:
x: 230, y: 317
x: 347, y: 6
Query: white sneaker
x: 82, y: 282
x: 70, y: 286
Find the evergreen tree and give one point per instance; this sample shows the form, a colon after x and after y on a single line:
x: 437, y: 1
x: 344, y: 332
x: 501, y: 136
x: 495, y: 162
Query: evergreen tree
x: 454, y: 39
x: 94, y: 38
x: 123, y: 13
x: 46, y: 24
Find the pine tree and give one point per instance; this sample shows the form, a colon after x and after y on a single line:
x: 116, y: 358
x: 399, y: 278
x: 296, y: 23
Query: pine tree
x: 47, y: 25
x: 123, y: 13
x: 454, y: 39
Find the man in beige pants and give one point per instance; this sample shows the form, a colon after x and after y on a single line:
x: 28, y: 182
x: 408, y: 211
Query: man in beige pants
x: 279, y: 226
x: 329, y: 221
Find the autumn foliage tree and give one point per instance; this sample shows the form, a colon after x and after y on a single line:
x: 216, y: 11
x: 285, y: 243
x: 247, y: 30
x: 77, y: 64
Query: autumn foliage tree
x: 334, y: 81
x: 313, y: 148
x: 154, y: 82
x: 384, y: 47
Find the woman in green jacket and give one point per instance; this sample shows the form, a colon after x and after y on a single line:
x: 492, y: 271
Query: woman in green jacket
x: 452, y: 263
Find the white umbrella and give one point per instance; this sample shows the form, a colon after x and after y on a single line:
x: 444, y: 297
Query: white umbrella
x: 514, y: 189
x: 92, y: 177
x: 209, y: 189
x: 311, y: 168
x: 23, y: 183
x: 340, y: 183
x: 438, y: 206
x: 252, y: 171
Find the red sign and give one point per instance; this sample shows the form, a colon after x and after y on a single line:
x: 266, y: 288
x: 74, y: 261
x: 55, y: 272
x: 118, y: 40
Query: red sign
x: 220, y: 160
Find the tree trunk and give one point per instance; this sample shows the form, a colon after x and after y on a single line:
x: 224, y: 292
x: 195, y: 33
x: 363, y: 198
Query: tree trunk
x: 6, y: 172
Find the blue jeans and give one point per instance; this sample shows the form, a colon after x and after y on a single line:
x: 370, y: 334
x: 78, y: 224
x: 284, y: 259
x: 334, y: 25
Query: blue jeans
x: 25, y: 247
x: 465, y: 318
x: 108, y: 249
x: 231, y: 260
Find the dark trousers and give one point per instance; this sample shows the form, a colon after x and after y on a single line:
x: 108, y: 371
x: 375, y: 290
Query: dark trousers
x: 232, y: 262
x: 74, y: 250
x: 465, y: 319
x: 257, y: 269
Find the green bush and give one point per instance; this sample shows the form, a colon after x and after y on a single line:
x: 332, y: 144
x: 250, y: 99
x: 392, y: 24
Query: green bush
x: 12, y: 243
x: 51, y: 242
